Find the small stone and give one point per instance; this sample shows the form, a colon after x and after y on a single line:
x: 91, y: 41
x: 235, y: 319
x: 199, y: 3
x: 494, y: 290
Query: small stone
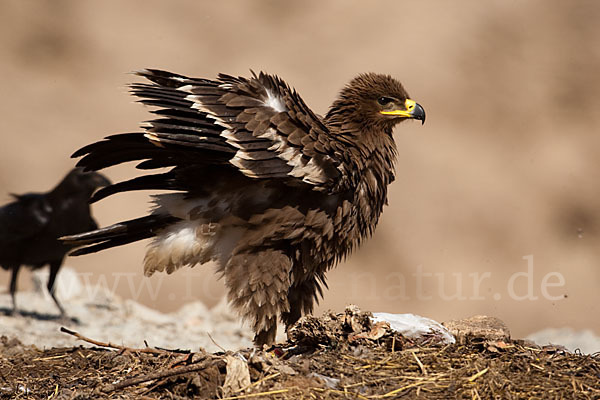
x: 490, y: 328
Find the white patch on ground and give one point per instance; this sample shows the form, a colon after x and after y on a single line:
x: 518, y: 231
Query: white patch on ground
x: 414, y: 326
x: 586, y: 341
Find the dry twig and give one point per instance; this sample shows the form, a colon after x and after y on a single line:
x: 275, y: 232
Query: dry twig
x: 157, y: 375
x: 111, y: 345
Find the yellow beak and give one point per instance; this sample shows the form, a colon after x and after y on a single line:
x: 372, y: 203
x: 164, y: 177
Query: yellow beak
x: 412, y: 110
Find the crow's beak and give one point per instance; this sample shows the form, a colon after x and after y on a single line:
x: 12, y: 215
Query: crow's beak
x: 100, y: 180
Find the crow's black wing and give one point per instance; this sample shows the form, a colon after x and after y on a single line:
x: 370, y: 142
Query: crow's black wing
x: 24, y: 218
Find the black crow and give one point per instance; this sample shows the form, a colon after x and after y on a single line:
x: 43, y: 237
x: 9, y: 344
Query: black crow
x: 31, y: 225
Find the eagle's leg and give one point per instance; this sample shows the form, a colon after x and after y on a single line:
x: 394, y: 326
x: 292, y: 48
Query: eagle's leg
x: 302, y: 298
x: 266, y: 336
x: 258, y: 284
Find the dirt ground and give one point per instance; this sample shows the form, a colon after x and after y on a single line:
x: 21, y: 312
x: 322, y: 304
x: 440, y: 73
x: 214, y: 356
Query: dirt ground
x: 336, y: 356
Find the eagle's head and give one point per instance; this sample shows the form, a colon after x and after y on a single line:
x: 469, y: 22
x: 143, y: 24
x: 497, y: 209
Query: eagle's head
x: 373, y: 101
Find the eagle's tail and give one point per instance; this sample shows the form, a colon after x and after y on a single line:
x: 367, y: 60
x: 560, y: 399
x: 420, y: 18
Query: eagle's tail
x: 118, y: 234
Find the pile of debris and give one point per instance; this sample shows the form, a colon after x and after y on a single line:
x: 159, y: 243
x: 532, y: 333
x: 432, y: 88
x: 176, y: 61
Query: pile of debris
x: 346, y: 355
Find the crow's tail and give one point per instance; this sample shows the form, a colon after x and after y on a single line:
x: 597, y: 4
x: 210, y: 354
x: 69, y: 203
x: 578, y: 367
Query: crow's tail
x: 117, y: 234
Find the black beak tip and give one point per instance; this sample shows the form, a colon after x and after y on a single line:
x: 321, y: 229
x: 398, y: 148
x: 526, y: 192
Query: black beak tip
x: 419, y: 113
x: 102, y: 181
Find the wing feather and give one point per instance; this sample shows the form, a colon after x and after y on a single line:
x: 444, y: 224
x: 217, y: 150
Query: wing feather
x: 257, y: 125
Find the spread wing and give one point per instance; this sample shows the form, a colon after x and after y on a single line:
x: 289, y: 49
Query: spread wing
x: 258, y: 126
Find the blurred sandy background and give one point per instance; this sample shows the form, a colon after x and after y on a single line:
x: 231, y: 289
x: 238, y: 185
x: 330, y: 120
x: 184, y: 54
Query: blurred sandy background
x: 507, y: 165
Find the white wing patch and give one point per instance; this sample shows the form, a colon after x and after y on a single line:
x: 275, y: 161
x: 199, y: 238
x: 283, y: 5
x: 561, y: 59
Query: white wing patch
x: 195, y: 239
x: 275, y: 102
x: 180, y: 244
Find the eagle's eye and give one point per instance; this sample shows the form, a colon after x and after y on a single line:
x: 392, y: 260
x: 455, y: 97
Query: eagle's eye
x: 384, y: 101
